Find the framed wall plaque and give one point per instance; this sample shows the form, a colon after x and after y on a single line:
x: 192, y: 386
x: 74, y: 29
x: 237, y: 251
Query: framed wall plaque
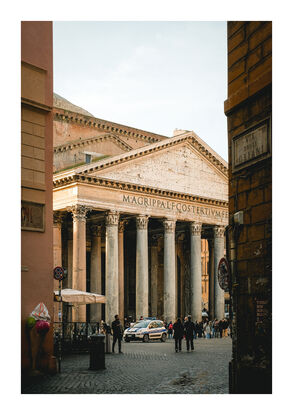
x: 252, y: 145
x: 32, y: 216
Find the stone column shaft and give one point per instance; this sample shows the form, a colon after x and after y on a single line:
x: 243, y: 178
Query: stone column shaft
x: 142, y: 286
x: 57, y: 240
x: 218, y: 254
x: 121, y: 268
x: 169, y: 271
x: 112, y: 287
x: 96, y: 274
x: 69, y: 272
x: 79, y: 257
x: 195, y: 271
x: 154, y: 278
x: 57, y: 255
x: 211, y: 280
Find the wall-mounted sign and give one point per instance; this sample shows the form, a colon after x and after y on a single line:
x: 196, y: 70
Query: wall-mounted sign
x: 223, y: 274
x: 32, y: 216
x: 251, y: 146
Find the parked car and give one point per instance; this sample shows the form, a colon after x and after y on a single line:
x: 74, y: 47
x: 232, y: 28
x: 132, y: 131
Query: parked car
x: 146, y: 330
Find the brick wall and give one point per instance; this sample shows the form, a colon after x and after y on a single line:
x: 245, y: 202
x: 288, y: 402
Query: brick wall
x: 249, y: 102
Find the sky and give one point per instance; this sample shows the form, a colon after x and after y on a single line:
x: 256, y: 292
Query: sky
x: 153, y: 75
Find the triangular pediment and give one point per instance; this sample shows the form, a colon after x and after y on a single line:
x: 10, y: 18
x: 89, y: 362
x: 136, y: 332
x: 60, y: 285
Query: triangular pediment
x: 73, y: 153
x: 182, y: 164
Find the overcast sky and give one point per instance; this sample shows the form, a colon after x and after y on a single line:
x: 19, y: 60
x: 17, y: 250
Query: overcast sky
x: 156, y: 76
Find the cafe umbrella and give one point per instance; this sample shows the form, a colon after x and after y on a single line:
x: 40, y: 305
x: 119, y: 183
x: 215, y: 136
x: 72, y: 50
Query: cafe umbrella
x: 68, y: 295
x: 76, y: 298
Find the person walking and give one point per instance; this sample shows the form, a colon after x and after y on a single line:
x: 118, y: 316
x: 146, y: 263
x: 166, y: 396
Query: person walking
x: 221, y: 328
x: 178, y: 329
x: 170, y: 330
x: 208, y: 330
x: 189, y: 328
x: 216, y: 326
x: 225, y: 327
x: 200, y: 329
x: 204, y: 326
x: 117, y: 332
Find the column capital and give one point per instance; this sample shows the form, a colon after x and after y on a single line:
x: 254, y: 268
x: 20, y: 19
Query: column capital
x: 121, y: 225
x: 195, y: 228
x: 112, y: 218
x: 58, y: 218
x: 79, y: 212
x: 219, y: 231
x: 96, y: 230
x: 142, y: 221
x: 169, y: 225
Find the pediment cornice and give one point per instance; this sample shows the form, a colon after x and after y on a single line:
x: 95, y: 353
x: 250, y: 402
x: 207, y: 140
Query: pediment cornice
x: 84, y: 142
x: 107, y: 126
x: 115, y: 184
x: 191, y: 139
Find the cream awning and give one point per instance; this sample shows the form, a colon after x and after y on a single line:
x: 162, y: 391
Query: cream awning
x: 68, y: 295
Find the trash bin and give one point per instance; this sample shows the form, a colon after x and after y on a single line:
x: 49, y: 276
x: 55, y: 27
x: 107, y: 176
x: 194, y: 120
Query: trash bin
x: 97, y: 352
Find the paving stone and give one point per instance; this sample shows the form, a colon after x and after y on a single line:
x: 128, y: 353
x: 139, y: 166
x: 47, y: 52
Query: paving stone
x: 144, y: 368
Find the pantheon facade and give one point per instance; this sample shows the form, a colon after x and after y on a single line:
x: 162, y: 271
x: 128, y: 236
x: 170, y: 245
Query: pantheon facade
x: 133, y: 213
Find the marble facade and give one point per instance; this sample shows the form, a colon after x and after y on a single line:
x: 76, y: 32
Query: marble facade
x: 132, y: 226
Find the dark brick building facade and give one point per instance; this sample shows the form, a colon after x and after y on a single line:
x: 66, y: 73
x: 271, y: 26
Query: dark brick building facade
x: 249, y: 109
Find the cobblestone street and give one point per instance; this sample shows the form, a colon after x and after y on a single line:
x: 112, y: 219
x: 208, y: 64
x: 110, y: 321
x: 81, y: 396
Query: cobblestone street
x: 145, y: 368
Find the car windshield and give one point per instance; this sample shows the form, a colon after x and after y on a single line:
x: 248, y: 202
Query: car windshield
x: 141, y: 324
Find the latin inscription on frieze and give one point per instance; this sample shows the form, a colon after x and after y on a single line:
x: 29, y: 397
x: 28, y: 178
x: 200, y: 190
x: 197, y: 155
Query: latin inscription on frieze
x: 176, y: 207
x: 251, y: 146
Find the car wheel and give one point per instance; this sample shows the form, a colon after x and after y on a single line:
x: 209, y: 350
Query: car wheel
x: 163, y: 338
x: 127, y: 340
x: 145, y: 338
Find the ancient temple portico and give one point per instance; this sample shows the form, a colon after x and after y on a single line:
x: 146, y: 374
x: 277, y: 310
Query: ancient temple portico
x: 140, y: 244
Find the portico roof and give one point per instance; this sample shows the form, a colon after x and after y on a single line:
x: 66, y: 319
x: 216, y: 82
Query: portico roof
x: 179, y: 173
x: 190, y: 137
x: 184, y: 164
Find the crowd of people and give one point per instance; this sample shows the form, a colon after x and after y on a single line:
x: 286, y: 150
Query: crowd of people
x: 204, y: 329
x: 190, y: 331
x: 187, y: 329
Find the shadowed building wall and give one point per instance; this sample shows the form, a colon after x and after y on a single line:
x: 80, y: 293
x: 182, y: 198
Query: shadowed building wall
x: 36, y: 181
x: 249, y: 110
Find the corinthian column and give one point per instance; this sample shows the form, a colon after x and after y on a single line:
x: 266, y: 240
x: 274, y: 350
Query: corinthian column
x: 79, y: 213
x: 142, y: 285
x: 218, y: 254
x: 169, y: 270
x: 154, y: 277
x: 96, y: 275
x: 57, y: 242
x: 57, y: 253
x: 195, y: 270
x: 112, y: 287
x: 211, y: 280
x: 121, y: 227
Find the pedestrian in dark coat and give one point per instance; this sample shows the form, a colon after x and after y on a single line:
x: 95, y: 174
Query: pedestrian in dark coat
x: 117, y: 332
x: 189, y: 328
x: 178, y: 332
x: 221, y: 328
